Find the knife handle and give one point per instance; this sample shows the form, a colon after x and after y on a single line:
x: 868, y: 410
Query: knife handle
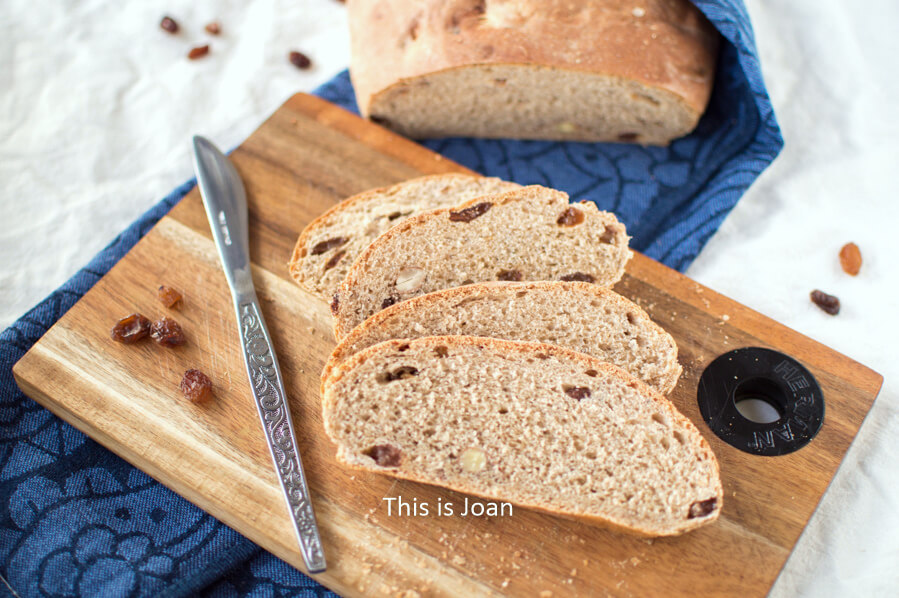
x: 271, y: 402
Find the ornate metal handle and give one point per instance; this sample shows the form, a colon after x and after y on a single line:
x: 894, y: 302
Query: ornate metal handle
x: 270, y: 398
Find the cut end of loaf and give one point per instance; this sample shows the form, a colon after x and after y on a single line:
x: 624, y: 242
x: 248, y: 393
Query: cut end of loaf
x: 530, y: 102
x: 536, y: 425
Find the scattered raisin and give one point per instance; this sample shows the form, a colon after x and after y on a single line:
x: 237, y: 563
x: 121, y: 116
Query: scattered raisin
x: 578, y: 392
x: 592, y: 373
x: 167, y: 332
x: 385, y: 455
x: 334, y: 259
x: 469, y: 214
x: 198, y: 52
x: 577, y: 277
x: 628, y: 137
x: 335, y: 304
x: 169, y: 24
x: 196, y: 386
x: 701, y: 508
x: 513, y: 275
x: 608, y: 235
x: 131, y: 329
x: 394, y: 216
x: 168, y: 296
x: 323, y: 246
x: 441, y: 351
x: 213, y: 28
x: 403, y: 347
x: 851, y: 259
x: 828, y: 303
x: 299, y: 60
x: 570, y: 217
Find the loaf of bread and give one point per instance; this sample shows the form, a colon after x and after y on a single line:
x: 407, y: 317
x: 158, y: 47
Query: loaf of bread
x: 531, y: 233
x: 577, y: 315
x: 586, y: 70
x: 330, y: 244
x: 533, y: 424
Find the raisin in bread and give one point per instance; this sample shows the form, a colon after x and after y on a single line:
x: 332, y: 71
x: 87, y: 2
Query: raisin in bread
x: 577, y: 315
x: 531, y: 233
x: 533, y: 424
x: 587, y: 70
x: 329, y: 245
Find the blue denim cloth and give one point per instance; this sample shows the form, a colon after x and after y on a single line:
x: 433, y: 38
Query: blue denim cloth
x: 75, y: 520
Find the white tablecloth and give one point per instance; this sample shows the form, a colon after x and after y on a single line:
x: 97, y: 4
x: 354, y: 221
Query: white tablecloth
x: 97, y: 105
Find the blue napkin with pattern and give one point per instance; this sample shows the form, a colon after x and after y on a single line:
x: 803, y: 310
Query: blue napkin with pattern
x: 75, y: 520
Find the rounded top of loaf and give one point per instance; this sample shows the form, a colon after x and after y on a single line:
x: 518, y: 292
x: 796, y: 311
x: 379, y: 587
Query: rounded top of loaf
x: 666, y: 44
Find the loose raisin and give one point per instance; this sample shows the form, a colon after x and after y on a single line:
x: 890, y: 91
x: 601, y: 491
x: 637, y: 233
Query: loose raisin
x: 385, y: 455
x: 196, y: 386
x: 828, y: 303
x: 570, y: 217
x: 213, y: 28
x: 578, y: 392
x: 388, y: 301
x: 512, y: 275
x: 167, y: 332
x: 851, y: 259
x: 168, y: 296
x: 577, y: 277
x: 334, y: 260
x: 299, y: 60
x: 628, y: 137
x: 323, y: 246
x: 701, y: 508
x: 169, y: 24
x: 198, y: 52
x: 130, y: 329
x: 469, y: 214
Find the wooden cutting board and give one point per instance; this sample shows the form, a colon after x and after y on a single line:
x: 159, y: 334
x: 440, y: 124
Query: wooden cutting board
x: 307, y: 156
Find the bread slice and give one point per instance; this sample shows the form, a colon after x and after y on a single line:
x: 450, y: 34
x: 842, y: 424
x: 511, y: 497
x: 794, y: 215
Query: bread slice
x: 330, y: 244
x: 533, y: 424
x: 587, y: 70
x: 531, y: 233
x: 577, y: 315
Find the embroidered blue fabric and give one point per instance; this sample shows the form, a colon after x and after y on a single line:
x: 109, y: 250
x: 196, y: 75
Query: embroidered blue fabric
x: 76, y: 520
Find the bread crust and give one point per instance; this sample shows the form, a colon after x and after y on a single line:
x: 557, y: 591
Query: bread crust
x: 422, y: 302
x: 665, y: 45
x: 532, y: 193
x: 528, y: 348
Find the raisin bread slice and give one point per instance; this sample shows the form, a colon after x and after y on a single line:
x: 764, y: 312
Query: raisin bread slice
x: 329, y: 245
x: 577, y: 315
x: 531, y: 233
x: 533, y: 424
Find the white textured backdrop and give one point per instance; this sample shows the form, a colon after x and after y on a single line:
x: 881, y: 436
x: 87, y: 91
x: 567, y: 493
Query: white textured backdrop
x: 97, y: 105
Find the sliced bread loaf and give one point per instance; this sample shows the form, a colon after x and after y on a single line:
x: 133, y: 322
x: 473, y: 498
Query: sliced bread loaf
x: 589, y: 70
x: 531, y: 233
x: 533, y: 424
x: 330, y: 244
x: 577, y: 315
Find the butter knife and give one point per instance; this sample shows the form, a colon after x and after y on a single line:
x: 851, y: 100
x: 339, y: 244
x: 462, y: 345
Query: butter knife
x: 226, y: 206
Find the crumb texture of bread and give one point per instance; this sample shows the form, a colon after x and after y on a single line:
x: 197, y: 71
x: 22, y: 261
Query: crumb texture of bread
x: 330, y: 244
x: 587, y: 70
x: 577, y: 315
x: 533, y: 424
x: 528, y: 234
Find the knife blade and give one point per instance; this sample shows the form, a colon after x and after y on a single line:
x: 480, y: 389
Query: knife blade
x: 225, y: 200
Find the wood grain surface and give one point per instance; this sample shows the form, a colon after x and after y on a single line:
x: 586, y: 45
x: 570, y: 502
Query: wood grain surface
x: 307, y: 156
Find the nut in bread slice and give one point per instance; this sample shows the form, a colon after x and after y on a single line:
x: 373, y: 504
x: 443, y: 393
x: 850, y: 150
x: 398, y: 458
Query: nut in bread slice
x: 330, y: 244
x: 533, y: 424
x: 531, y: 233
x: 577, y: 315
